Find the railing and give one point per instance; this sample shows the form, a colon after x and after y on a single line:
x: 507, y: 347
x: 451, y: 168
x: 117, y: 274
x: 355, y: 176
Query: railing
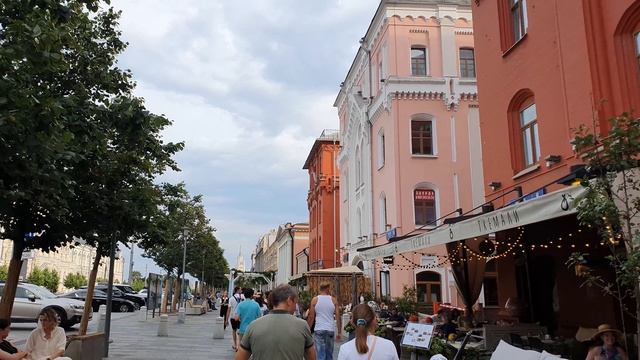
x: 330, y: 134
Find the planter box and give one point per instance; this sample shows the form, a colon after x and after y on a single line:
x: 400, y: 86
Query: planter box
x: 85, y: 347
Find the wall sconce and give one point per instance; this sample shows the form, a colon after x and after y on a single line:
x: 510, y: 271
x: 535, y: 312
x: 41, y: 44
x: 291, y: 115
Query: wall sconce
x: 552, y: 160
x: 495, y: 185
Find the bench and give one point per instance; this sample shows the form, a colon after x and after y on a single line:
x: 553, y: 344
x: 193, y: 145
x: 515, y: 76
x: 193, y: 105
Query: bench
x: 195, y: 309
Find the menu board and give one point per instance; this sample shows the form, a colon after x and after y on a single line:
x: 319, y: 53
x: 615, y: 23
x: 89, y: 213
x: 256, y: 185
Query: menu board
x: 417, y: 335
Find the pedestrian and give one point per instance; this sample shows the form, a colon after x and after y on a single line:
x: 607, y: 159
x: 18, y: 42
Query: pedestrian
x: 291, y: 341
x: 48, y: 341
x: 224, y: 306
x: 607, y: 346
x: 7, y: 350
x: 247, y: 311
x: 366, y: 344
x: 234, y: 301
x: 263, y: 306
x: 323, y: 309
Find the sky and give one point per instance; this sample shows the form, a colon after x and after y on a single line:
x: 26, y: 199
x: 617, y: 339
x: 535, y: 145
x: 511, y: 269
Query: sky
x: 249, y: 85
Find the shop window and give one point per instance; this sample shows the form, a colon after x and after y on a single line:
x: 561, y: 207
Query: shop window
x: 422, y: 137
x: 424, y: 201
x: 418, y: 61
x: 467, y: 63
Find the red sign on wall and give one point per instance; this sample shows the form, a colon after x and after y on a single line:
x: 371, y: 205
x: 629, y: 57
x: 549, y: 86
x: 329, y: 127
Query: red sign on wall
x: 421, y: 194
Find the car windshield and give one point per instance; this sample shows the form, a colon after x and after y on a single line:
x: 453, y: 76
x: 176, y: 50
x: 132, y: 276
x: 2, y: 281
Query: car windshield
x: 41, y: 292
x: 99, y: 292
x: 127, y: 289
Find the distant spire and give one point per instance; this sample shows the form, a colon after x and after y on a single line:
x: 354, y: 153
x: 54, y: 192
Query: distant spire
x: 240, y: 262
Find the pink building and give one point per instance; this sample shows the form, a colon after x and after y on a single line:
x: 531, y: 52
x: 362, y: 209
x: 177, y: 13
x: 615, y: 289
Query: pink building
x: 411, y: 139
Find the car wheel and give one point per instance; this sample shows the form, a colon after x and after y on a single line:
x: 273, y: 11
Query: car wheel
x: 62, y: 316
x: 136, y: 306
x: 123, y: 308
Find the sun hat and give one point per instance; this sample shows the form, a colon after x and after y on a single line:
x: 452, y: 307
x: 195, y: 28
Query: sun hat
x: 605, y: 328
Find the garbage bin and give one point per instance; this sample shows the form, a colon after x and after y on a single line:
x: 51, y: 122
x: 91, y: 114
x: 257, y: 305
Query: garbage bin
x: 218, y: 328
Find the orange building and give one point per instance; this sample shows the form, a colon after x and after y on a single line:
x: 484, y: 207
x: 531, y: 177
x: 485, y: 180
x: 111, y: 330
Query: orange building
x: 544, y: 69
x: 323, y: 202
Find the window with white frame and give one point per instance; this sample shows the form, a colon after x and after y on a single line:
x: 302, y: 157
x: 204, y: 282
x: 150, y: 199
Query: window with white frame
x: 637, y: 41
x: 381, y: 149
x: 422, y: 137
x: 418, y: 61
x: 358, y: 168
x: 385, y: 283
x: 519, y: 20
x: 382, y: 204
x: 424, y: 202
x: 467, y: 63
x: 529, y: 133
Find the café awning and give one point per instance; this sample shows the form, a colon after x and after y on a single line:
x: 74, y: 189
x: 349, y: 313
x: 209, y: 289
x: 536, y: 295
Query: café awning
x: 553, y: 205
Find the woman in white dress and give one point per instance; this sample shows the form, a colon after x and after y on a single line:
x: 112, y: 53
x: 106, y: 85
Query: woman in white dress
x: 366, y: 346
x: 48, y: 341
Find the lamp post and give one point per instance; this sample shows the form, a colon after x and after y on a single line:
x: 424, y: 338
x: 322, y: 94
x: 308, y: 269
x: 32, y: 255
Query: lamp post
x: 185, y: 233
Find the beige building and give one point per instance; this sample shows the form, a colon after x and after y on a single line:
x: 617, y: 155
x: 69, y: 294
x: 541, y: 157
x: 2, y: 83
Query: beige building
x: 65, y: 260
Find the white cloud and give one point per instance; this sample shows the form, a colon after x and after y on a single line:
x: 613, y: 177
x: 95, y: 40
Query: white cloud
x: 249, y: 86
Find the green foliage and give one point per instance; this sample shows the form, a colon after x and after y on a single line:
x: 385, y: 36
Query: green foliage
x: 4, y: 269
x: 611, y: 205
x: 45, y: 277
x: 304, y: 299
x: 136, y: 275
x: 74, y: 281
x: 407, y: 303
x: 138, y: 284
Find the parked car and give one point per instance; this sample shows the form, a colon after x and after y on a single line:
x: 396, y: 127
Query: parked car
x: 136, y: 299
x: 31, y: 299
x: 100, y: 298
x: 143, y: 292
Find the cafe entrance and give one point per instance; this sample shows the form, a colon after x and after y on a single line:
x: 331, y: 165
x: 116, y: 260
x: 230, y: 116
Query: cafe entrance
x: 429, y: 287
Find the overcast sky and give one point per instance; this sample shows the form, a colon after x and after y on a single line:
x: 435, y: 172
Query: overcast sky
x: 249, y: 85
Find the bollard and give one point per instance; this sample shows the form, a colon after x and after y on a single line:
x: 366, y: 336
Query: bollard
x: 181, y: 315
x: 142, y: 316
x: 102, y: 317
x: 163, y: 328
x: 218, y: 328
x: 346, y: 317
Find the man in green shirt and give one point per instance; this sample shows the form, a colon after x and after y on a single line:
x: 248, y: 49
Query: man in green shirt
x: 278, y: 335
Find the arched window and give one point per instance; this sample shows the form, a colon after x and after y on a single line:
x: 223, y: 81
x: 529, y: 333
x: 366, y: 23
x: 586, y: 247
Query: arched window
x: 627, y: 45
x: 381, y: 149
x: 424, y: 202
x: 358, y: 168
x: 523, y: 121
x: 382, y: 204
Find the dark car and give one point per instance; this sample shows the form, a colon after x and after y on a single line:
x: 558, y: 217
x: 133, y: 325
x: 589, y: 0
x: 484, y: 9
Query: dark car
x: 136, y: 299
x: 100, y: 298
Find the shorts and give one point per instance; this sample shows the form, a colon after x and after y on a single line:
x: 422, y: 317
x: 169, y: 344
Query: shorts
x: 235, y: 324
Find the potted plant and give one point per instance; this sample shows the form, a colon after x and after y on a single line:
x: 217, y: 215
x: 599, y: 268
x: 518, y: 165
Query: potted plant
x: 407, y: 304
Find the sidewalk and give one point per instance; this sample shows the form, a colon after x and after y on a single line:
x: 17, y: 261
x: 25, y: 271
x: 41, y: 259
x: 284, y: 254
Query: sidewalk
x: 134, y: 339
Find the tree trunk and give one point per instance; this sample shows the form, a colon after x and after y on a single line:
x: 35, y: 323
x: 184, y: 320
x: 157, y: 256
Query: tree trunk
x: 165, y: 298
x: 88, y: 307
x: 6, y: 303
x: 176, y: 294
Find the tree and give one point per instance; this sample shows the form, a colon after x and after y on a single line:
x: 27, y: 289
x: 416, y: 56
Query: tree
x: 78, y: 152
x: 74, y: 281
x: 3, y: 272
x: 183, y: 216
x: 136, y: 275
x: 45, y: 277
x: 611, y: 204
x: 138, y: 284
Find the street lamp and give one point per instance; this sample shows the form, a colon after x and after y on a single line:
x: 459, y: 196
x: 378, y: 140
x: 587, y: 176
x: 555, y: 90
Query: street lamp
x: 185, y: 233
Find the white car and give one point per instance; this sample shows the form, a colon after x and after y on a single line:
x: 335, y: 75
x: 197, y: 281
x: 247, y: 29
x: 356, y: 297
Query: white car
x: 143, y: 292
x: 31, y: 299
